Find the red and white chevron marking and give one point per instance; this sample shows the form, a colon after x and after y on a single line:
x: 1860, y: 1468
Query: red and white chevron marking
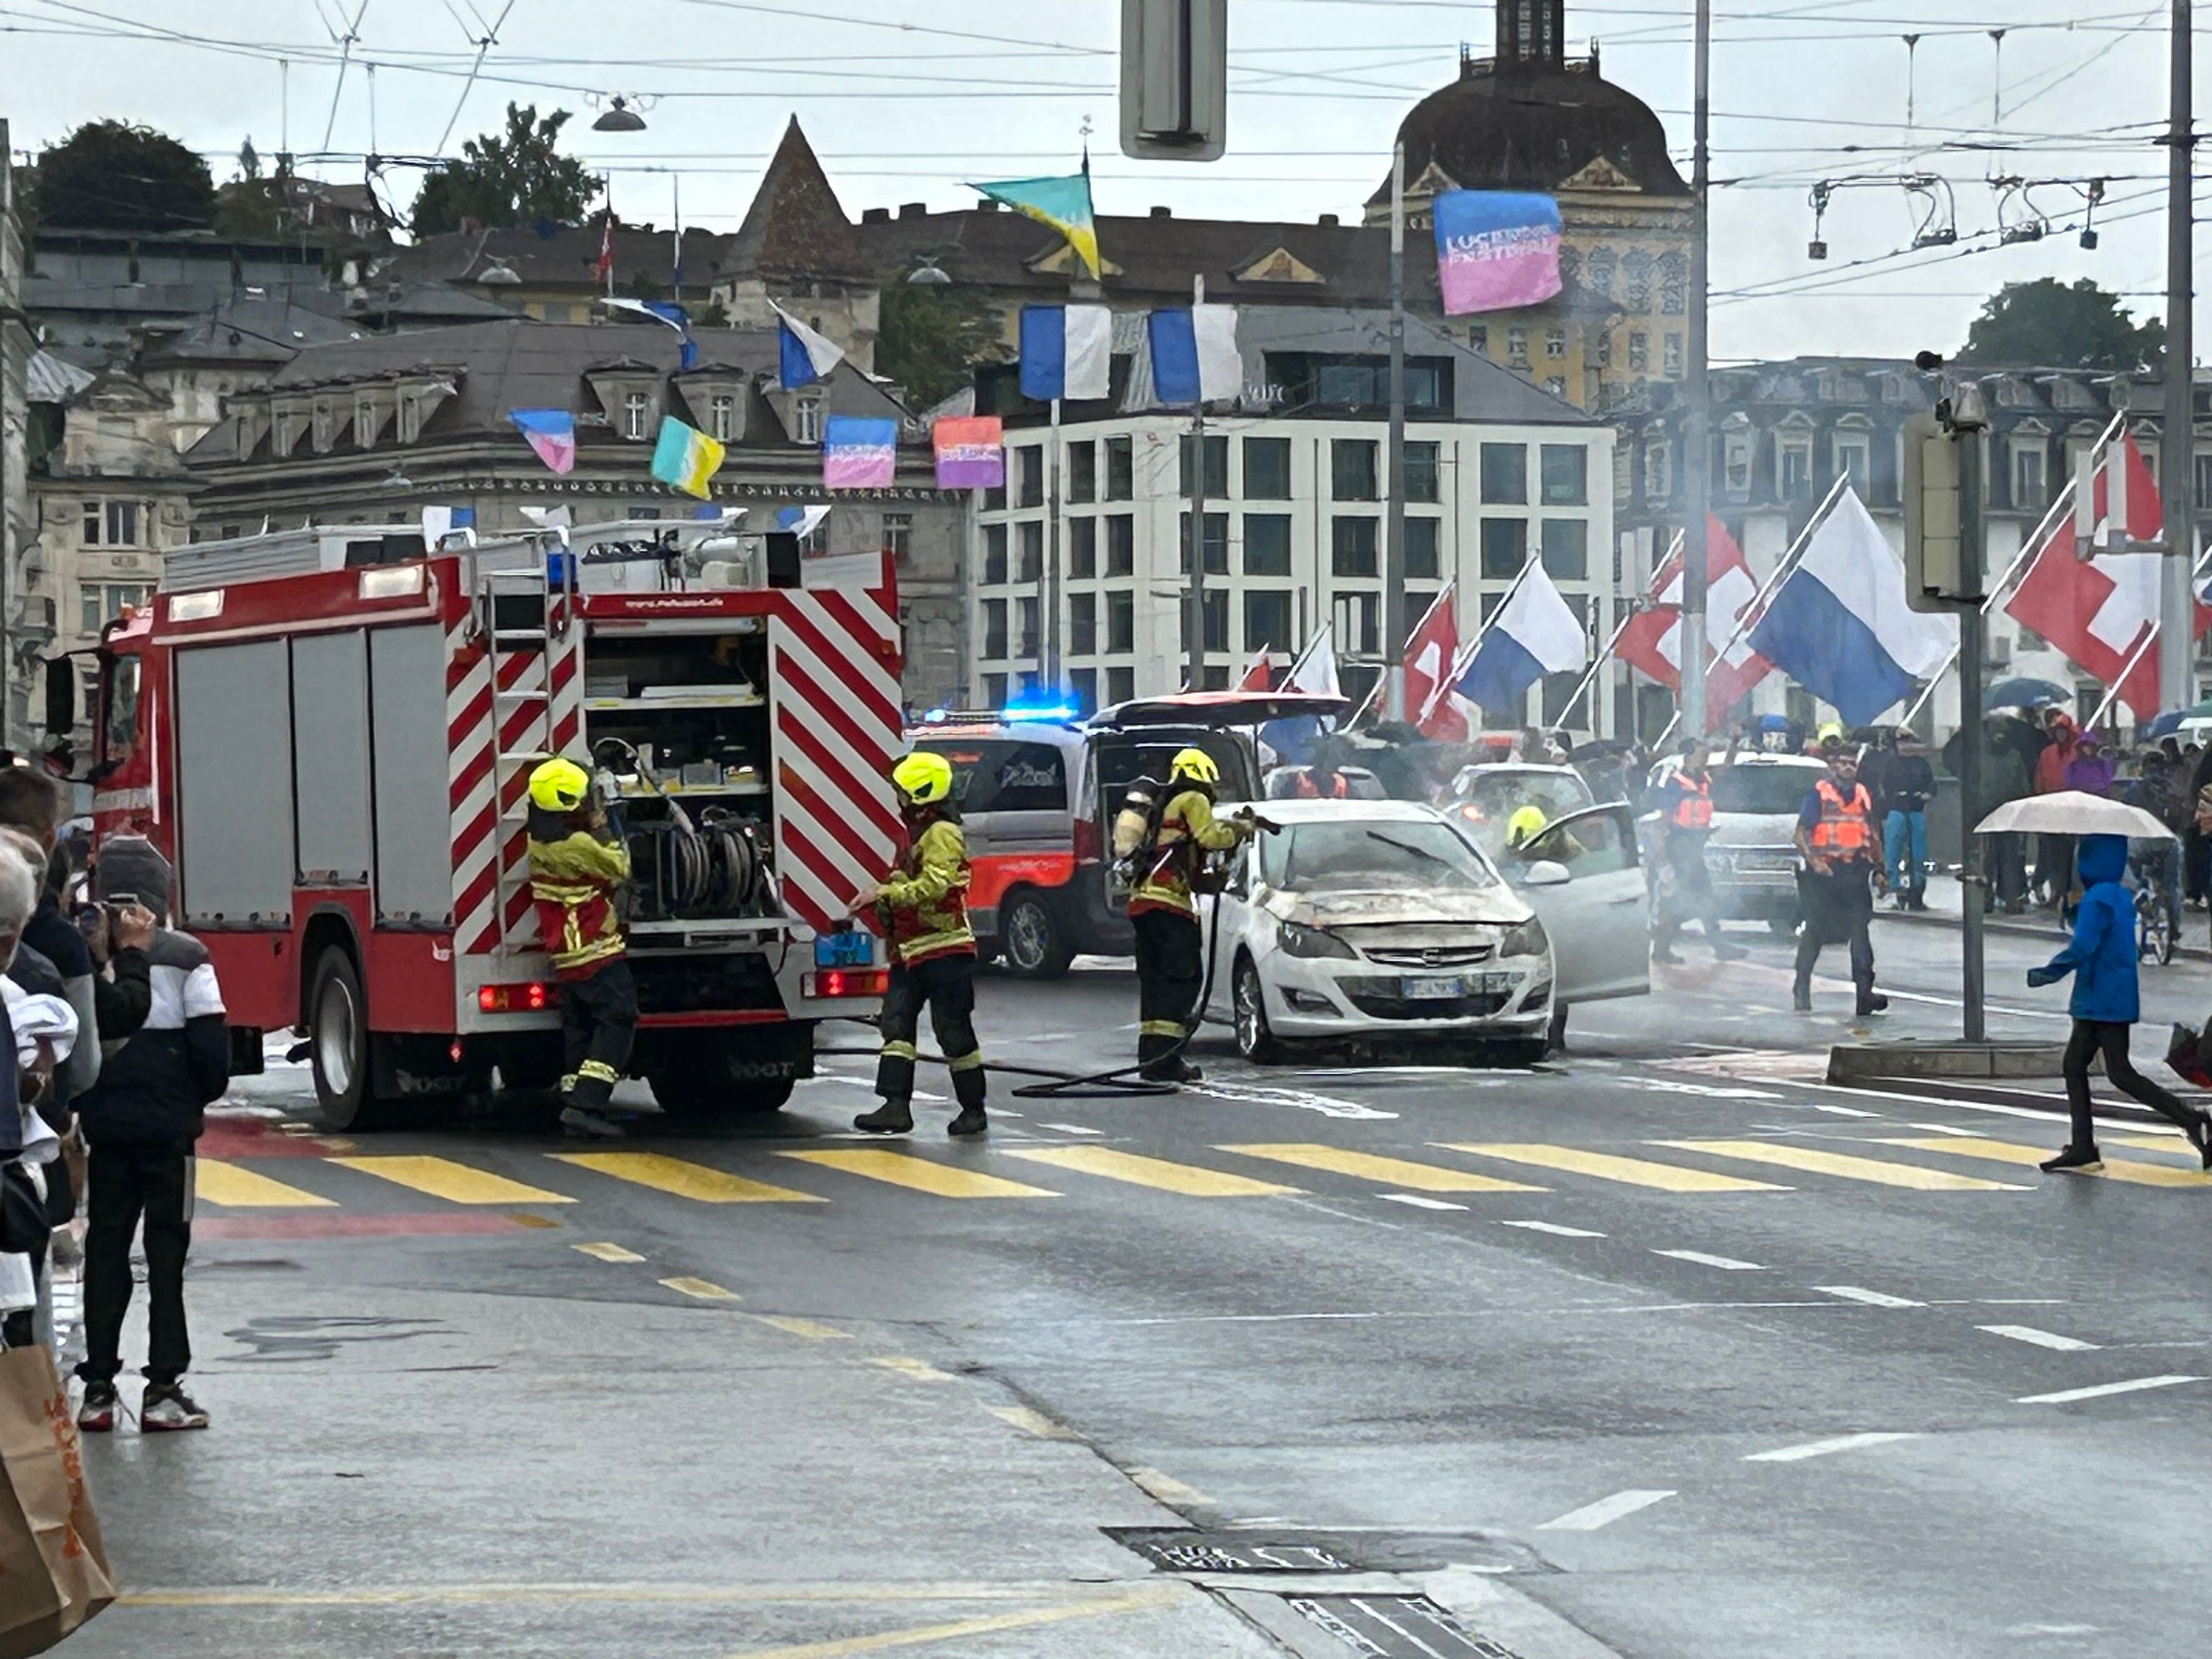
x: 834, y: 700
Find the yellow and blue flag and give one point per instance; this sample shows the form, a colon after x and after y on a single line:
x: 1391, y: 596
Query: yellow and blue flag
x: 1063, y: 203
x: 684, y: 457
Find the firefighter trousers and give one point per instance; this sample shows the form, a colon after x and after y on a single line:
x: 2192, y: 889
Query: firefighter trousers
x: 947, y: 985
x: 1171, y: 974
x: 598, y: 1022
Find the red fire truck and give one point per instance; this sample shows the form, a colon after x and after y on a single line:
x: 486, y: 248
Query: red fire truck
x: 330, y: 734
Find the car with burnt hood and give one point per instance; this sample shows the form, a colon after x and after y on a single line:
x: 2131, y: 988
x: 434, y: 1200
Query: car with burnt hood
x: 1374, y: 921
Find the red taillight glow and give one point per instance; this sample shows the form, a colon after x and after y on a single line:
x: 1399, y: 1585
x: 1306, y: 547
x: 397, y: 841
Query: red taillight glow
x: 1089, y: 845
x: 847, y: 982
x: 514, y: 998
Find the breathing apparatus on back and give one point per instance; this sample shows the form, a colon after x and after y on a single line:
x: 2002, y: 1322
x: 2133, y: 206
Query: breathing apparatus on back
x: 1137, y: 825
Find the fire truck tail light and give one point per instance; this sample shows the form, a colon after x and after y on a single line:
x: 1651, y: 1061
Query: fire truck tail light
x: 196, y: 607
x: 397, y: 582
x: 528, y: 998
x: 847, y: 982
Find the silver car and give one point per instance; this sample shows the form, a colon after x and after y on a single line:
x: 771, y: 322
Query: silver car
x: 1751, y: 852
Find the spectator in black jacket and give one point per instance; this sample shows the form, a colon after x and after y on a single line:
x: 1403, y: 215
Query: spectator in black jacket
x: 1907, y: 783
x: 142, y: 1119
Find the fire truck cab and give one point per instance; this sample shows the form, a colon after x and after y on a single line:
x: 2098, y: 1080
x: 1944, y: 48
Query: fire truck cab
x: 329, y: 731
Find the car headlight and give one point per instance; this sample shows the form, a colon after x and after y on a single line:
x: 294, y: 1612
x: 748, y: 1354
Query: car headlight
x: 1301, y: 941
x: 1525, y: 939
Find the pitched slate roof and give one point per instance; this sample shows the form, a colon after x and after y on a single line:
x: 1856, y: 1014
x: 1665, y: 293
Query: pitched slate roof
x: 795, y: 227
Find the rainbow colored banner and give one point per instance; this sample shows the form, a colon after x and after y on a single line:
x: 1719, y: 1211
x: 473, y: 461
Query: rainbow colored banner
x: 684, y: 457
x: 971, y: 452
x: 858, y: 453
x: 1497, y: 249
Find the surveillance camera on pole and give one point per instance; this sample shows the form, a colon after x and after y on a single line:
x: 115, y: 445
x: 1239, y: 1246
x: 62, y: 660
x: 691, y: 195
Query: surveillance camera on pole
x: 1175, y: 79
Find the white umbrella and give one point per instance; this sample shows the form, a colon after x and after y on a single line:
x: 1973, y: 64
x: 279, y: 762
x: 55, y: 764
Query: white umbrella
x: 2073, y: 812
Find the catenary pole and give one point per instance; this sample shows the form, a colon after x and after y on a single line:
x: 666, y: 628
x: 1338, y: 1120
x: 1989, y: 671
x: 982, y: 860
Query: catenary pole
x: 2177, y: 439
x: 1194, y: 621
x: 1697, y: 460
x: 1393, y: 520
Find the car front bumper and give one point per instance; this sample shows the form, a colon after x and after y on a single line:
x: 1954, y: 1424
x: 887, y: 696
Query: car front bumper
x: 1323, y: 997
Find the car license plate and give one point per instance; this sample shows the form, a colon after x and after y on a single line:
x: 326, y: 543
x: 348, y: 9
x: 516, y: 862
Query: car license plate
x: 852, y: 949
x: 1435, y: 990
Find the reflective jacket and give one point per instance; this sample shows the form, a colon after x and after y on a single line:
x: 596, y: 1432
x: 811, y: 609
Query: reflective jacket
x: 1304, y: 787
x: 572, y: 878
x: 1689, y: 803
x: 926, y: 896
x: 1844, y: 829
x: 1186, y: 823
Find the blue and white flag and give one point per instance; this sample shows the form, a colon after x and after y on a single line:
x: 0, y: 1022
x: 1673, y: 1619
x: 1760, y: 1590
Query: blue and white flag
x: 1067, y: 351
x: 1534, y: 633
x: 1840, y: 625
x: 802, y: 357
x: 1194, y: 357
x: 800, y: 521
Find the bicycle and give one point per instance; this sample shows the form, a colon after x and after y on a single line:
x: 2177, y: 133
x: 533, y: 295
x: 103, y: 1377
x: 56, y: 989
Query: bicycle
x: 2158, y: 919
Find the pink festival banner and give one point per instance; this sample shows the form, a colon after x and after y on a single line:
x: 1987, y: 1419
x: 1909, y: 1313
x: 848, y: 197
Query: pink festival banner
x: 971, y: 452
x: 858, y: 453
x: 1495, y: 250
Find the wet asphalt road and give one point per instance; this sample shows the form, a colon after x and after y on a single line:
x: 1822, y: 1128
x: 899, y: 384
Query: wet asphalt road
x: 1707, y: 1359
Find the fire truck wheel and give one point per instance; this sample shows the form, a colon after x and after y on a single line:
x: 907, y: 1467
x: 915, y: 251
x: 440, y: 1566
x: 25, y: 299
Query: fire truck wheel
x: 338, y: 1029
x: 1031, y: 941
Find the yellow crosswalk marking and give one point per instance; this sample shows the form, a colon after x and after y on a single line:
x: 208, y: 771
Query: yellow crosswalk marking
x: 902, y: 1169
x: 1606, y: 1166
x: 229, y: 1185
x: 2173, y: 1146
x: 1138, y: 1171
x: 456, y: 1183
x: 813, y: 1329
x: 2006, y: 1151
x: 1814, y: 1161
x: 606, y: 1252
x: 692, y: 1180
x: 703, y: 1290
x: 1389, y: 1171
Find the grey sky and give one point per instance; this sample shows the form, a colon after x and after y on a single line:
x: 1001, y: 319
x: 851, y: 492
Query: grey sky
x: 905, y: 101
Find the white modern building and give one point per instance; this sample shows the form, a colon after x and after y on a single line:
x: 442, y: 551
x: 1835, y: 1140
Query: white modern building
x: 1497, y: 472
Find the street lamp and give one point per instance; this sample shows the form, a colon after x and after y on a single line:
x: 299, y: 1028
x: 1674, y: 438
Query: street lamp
x: 928, y: 274
x: 619, y: 118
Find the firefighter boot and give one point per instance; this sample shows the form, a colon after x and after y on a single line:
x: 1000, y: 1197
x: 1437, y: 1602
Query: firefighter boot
x: 967, y: 1090
x: 584, y: 1097
x: 893, y: 1117
x: 1870, y: 1001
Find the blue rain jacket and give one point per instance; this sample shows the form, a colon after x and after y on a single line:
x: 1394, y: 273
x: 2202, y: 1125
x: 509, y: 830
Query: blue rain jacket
x: 2102, y: 956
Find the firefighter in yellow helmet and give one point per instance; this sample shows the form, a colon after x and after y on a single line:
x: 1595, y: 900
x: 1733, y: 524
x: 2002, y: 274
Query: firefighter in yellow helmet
x: 576, y: 864
x: 1171, y: 947
x: 923, y: 904
x: 1526, y: 823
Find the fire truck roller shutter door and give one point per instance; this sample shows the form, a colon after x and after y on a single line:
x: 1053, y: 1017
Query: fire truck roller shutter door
x: 407, y: 721
x: 233, y: 723
x: 330, y: 756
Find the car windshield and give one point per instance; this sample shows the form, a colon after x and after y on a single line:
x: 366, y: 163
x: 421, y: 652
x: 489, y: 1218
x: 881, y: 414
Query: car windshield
x: 1362, y: 854
x: 1496, y: 794
x: 1768, y: 789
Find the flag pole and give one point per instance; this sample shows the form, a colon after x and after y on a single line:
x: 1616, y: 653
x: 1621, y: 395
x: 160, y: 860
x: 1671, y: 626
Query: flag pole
x: 1597, y: 662
x: 1451, y: 671
x: 1436, y: 693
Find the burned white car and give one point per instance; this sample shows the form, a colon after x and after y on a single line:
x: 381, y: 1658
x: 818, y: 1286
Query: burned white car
x: 1375, y: 921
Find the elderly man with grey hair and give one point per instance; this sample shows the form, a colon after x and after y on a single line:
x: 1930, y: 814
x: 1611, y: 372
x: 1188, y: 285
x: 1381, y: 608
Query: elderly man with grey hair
x: 42, y: 1030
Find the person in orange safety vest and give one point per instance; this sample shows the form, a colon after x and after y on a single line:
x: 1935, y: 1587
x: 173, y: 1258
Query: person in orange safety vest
x: 1837, y: 838
x: 1686, y: 884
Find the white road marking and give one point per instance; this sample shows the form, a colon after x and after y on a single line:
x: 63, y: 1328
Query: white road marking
x: 1421, y: 1203
x: 1326, y: 1105
x: 1068, y: 1129
x: 1553, y: 1227
x: 1605, y: 1512
x: 1942, y: 1129
x: 2066, y: 1396
x: 1872, y: 1298
x: 1840, y: 1111
x: 1823, y: 1448
x: 1667, y: 1085
x: 2040, y: 1339
x: 2056, y: 1112
x: 1727, y: 1262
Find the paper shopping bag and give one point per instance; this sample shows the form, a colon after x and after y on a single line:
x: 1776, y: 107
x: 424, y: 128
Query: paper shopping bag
x: 53, y: 1567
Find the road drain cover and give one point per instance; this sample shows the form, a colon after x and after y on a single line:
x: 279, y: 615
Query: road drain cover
x: 1203, y: 1552
x: 1394, y: 1627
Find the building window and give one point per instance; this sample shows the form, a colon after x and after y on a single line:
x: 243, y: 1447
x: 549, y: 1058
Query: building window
x: 722, y: 417
x: 995, y: 628
x: 995, y: 691
x: 1423, y: 549
x: 1267, y: 468
x: 1854, y: 459
x: 1602, y: 342
x: 1565, y: 475
x: 1082, y: 624
x: 1478, y: 336
x: 1267, y: 544
x: 1121, y: 626
x: 2027, y: 476
x: 1217, y: 543
x: 1357, y: 615
x: 324, y: 429
x: 1082, y: 548
x: 994, y: 554
x: 1268, y: 620
x: 1566, y: 549
x: 1504, y: 547
x: 637, y: 415
x: 1351, y: 543
x: 1505, y: 474
x: 1121, y: 684
x: 1213, y: 608
x: 1121, y: 471
x: 1636, y: 281
x: 1555, y: 343
x: 410, y: 418
x: 1121, y: 546
x: 1025, y: 613
x: 806, y: 420
x: 1084, y: 683
x: 1083, y: 472
x: 1217, y: 466
x: 1597, y: 272
x: 115, y: 523
x: 284, y: 433
x: 364, y: 423
x: 1029, y: 476
x: 1736, y: 464
x: 1516, y: 347
x: 1639, y: 351
x: 898, y: 535
x: 1028, y: 551
x: 1792, y: 465
x: 1658, y: 472
x: 1421, y: 472
x: 1670, y: 356
x: 1351, y: 470
x: 1674, y: 283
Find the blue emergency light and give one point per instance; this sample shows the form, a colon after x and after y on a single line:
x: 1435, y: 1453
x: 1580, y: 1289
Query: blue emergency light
x: 1038, y: 711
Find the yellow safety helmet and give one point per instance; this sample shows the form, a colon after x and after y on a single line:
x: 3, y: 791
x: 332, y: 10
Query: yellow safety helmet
x: 923, y: 779
x: 1831, y: 732
x: 1196, y: 765
x: 559, y: 786
x: 1524, y: 826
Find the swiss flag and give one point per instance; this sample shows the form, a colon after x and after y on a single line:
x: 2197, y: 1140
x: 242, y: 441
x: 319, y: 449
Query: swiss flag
x: 1258, y: 673
x: 2098, y: 611
x: 1432, y: 659
x: 1652, y: 640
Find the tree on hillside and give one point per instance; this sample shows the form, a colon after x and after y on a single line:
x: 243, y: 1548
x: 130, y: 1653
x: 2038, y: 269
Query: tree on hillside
x: 2050, y: 325
x: 514, y: 177
x: 109, y: 175
x: 930, y: 337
